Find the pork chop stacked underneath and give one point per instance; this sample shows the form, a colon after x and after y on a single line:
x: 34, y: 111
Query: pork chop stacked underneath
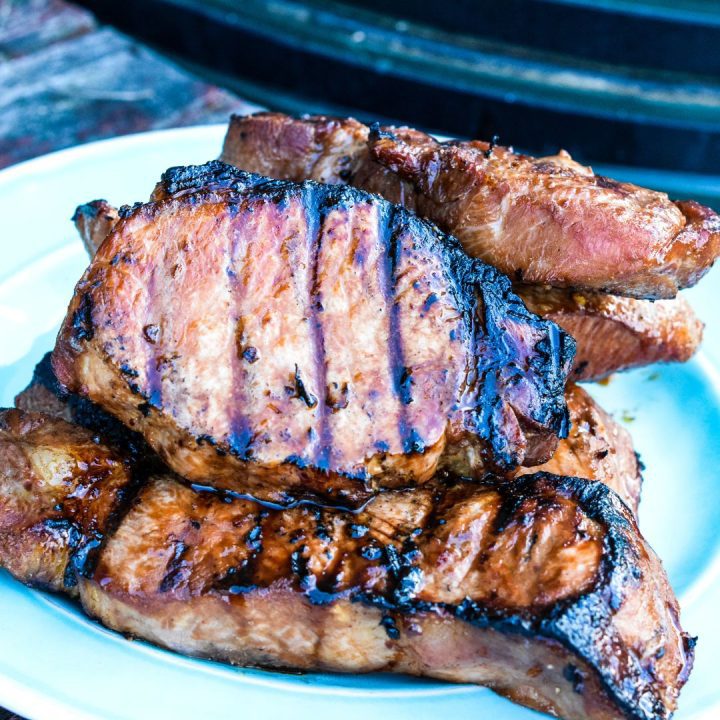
x: 568, y: 237
x: 308, y: 341
x: 543, y: 588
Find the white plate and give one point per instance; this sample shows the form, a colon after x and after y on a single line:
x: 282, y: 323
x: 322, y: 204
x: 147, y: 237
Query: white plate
x: 56, y: 664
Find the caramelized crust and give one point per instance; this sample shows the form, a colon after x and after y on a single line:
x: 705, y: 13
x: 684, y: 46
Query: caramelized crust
x: 542, y: 589
x: 617, y: 333
x: 290, y: 340
x: 59, y: 489
x: 596, y: 448
x: 548, y: 220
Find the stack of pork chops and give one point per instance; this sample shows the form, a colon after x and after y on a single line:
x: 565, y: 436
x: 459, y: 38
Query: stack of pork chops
x: 312, y: 407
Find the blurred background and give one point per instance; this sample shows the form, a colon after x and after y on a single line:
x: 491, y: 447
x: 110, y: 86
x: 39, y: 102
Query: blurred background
x: 629, y: 83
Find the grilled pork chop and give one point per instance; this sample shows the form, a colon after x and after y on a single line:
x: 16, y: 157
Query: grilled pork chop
x: 548, y: 220
x: 617, y: 333
x: 612, y: 333
x: 596, y: 448
x: 542, y: 589
x: 291, y: 340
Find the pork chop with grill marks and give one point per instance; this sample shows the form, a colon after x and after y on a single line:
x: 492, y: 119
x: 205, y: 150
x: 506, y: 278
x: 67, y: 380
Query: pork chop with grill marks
x: 291, y: 340
x: 548, y: 221
x: 493, y: 583
x: 612, y: 333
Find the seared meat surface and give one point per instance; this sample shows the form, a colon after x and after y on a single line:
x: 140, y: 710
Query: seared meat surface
x: 596, y: 448
x: 617, y: 333
x: 60, y: 488
x: 490, y: 582
x: 612, y: 333
x: 545, y: 220
x: 93, y: 221
x: 303, y: 340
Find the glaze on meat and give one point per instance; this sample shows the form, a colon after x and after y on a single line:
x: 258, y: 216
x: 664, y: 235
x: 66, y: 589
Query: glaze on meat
x: 542, y: 589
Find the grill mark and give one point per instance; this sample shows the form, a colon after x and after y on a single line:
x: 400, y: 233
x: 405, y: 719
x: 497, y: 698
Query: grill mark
x: 154, y: 352
x: 152, y: 392
x: 314, y: 218
x: 175, y: 568
x: 389, y: 231
x: 483, y: 377
x: 241, y: 435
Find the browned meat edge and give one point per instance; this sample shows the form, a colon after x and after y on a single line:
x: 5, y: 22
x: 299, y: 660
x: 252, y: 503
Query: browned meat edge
x: 616, y: 333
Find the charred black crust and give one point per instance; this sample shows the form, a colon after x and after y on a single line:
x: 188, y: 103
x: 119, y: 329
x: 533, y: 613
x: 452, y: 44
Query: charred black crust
x: 82, y: 328
x: 86, y: 543
x: 44, y: 376
x: 583, y: 624
x: 125, y: 211
x: 215, y: 174
x: 87, y: 414
x: 377, y: 132
x: 89, y: 210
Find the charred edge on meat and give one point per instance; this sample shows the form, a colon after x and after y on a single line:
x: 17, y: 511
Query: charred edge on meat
x: 477, y: 287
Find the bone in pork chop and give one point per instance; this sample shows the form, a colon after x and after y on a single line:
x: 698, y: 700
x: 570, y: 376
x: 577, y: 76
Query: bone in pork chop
x: 303, y: 340
x: 548, y: 221
x: 542, y: 589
